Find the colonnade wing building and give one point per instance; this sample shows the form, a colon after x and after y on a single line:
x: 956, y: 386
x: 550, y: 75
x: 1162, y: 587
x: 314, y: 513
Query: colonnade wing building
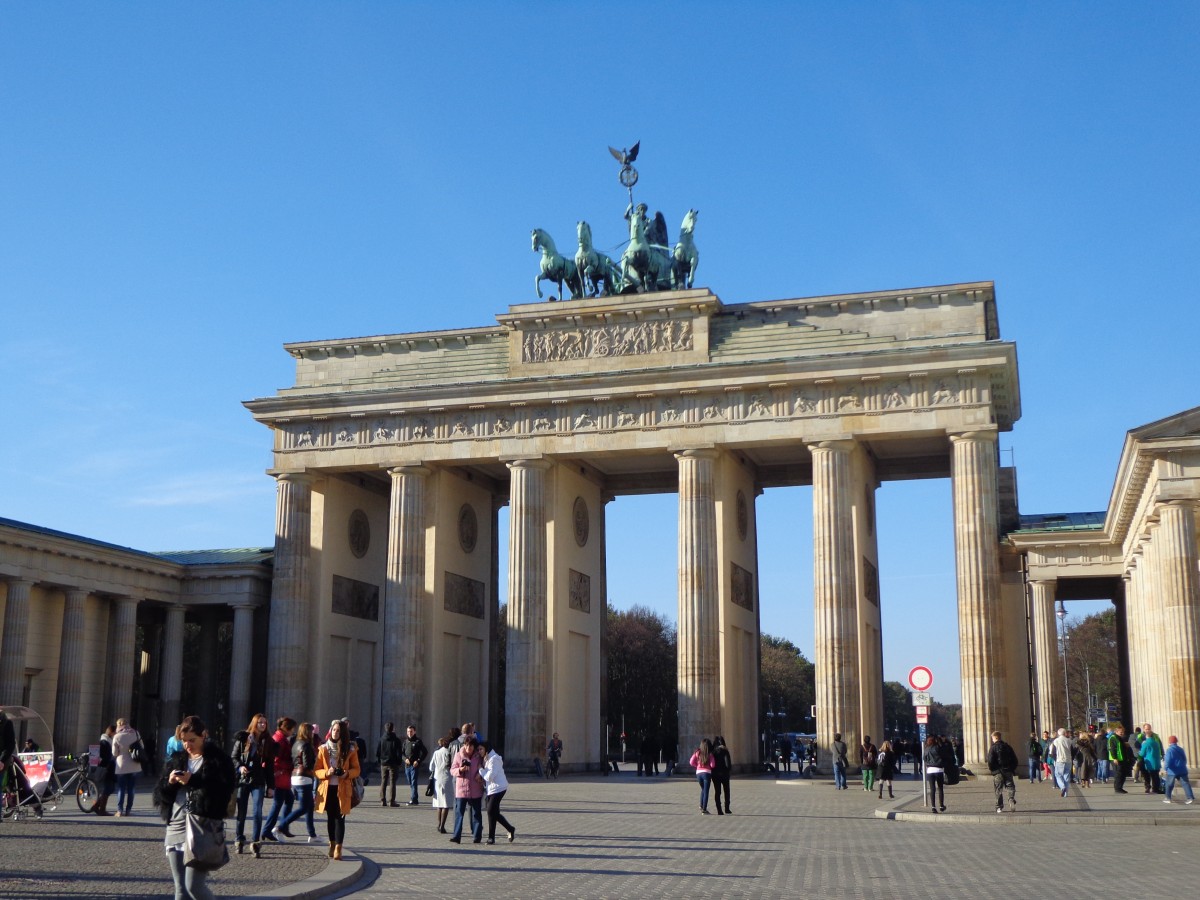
x: 393, y: 455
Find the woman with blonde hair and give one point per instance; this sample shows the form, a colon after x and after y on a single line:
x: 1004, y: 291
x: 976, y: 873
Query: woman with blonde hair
x: 337, y: 767
x: 254, y: 758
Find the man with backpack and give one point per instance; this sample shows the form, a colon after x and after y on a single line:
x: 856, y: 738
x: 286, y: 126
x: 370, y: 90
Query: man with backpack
x: 1034, y: 757
x: 1002, y: 763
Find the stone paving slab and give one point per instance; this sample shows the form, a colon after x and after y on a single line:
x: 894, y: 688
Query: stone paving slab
x: 593, y: 837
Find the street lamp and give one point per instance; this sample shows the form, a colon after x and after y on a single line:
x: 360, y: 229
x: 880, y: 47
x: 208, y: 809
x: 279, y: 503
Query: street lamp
x: 1062, y: 618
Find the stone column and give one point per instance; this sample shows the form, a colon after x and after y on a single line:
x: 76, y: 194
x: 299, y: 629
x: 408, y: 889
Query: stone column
x: 170, y: 673
x: 287, y: 641
x: 15, y: 641
x: 1181, y: 619
x: 1137, y: 652
x: 404, y: 600
x: 699, y: 658
x: 70, y: 675
x: 977, y: 560
x: 835, y: 600
x: 525, y: 678
x: 1047, y: 661
x: 121, y: 658
x: 1157, y: 686
x: 240, y: 671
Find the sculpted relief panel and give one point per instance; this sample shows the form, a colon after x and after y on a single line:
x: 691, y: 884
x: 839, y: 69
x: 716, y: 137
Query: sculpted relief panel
x: 652, y: 410
x: 626, y: 339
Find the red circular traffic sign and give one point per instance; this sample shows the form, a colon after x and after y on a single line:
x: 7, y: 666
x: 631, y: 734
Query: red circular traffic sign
x: 920, y: 678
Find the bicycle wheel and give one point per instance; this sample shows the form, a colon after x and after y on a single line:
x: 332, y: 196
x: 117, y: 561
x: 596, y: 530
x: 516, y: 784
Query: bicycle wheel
x: 87, y: 794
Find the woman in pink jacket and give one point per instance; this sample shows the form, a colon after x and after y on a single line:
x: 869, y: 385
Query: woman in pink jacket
x: 468, y: 790
x: 702, y: 762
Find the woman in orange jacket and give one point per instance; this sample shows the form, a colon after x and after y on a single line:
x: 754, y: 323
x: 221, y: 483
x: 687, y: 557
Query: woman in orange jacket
x: 337, y: 767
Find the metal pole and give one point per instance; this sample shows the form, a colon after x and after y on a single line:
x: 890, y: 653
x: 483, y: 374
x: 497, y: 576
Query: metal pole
x: 1062, y: 614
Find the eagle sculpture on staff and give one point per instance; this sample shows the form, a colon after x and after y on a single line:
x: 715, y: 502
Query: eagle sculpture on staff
x: 625, y: 157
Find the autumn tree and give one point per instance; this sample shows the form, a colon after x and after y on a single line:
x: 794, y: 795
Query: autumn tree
x: 1091, y: 663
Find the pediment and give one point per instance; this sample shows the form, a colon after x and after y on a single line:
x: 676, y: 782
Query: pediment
x: 1180, y: 425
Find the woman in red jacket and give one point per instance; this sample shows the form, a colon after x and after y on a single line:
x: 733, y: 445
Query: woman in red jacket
x: 282, y: 804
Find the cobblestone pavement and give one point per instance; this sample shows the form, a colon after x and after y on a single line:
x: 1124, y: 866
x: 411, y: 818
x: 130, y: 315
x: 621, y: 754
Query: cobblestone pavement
x: 622, y: 836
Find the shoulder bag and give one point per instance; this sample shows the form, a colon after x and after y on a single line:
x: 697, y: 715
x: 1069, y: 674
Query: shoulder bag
x: 205, y: 847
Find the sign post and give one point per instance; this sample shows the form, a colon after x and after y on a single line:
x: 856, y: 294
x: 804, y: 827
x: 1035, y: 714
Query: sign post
x: 920, y: 679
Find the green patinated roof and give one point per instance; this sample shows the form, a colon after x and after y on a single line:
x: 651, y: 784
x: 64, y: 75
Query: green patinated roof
x: 1080, y: 521
x: 247, y: 556
x: 185, y: 557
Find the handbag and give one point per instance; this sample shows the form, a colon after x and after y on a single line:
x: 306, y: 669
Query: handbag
x: 430, y: 790
x: 358, y: 793
x: 205, y: 847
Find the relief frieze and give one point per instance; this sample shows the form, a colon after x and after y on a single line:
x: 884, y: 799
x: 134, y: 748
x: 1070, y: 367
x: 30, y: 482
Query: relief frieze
x: 599, y: 341
x: 689, y: 408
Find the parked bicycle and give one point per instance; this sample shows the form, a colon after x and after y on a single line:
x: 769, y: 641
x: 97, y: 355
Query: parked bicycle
x: 35, y: 783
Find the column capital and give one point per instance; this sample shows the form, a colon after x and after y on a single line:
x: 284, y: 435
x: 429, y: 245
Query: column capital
x: 840, y: 445
x: 419, y: 469
x: 26, y: 583
x: 75, y: 592
x: 539, y: 462
x: 697, y: 453
x: 982, y: 435
x: 301, y: 478
x: 125, y: 600
x: 1052, y: 582
x: 243, y: 604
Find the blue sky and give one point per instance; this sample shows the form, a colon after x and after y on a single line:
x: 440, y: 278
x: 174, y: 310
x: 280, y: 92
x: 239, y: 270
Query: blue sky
x: 185, y: 187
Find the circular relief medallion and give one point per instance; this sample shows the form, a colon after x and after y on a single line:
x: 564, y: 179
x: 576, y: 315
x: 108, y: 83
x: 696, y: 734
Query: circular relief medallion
x: 468, y: 528
x: 359, y: 533
x: 582, y: 522
x: 743, y: 516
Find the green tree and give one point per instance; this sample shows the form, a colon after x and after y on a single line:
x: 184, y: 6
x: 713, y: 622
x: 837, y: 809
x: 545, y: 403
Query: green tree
x: 788, y: 683
x: 641, y: 675
x: 899, y: 716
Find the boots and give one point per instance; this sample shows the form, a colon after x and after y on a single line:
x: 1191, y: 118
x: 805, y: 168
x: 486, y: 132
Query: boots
x: 332, y: 848
x: 102, y: 806
x: 337, y: 851
x: 881, y: 792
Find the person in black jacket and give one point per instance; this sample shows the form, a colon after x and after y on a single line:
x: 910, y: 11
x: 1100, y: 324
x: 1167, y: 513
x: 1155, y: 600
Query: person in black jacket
x: 1002, y: 763
x: 414, y: 751
x: 198, y: 779
x: 722, y: 767
x: 390, y: 758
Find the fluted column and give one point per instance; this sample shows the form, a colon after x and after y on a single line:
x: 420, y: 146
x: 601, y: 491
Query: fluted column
x: 1046, y: 659
x: 526, y: 688
x: 121, y: 659
x: 1157, y: 684
x: 242, y: 654
x: 70, y: 674
x: 977, y: 561
x: 287, y: 644
x: 170, y: 673
x: 1136, y: 612
x: 1181, y: 619
x: 835, y: 599
x: 404, y: 601
x: 699, y: 659
x: 14, y: 643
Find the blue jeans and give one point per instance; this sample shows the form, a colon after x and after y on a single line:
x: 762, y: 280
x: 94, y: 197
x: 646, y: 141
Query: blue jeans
x: 1062, y: 776
x: 839, y: 776
x: 282, y: 804
x: 304, y: 807
x: 705, y: 779
x: 125, y: 784
x: 460, y: 811
x: 244, y: 794
x: 189, y: 883
x: 412, y: 774
x: 1035, y: 769
x: 1183, y: 779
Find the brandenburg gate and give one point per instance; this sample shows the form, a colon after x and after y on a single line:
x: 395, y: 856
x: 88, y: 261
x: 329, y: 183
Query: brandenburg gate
x: 393, y: 455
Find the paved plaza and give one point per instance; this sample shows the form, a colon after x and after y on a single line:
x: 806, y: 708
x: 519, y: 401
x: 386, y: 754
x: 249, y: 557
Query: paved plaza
x: 594, y: 837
